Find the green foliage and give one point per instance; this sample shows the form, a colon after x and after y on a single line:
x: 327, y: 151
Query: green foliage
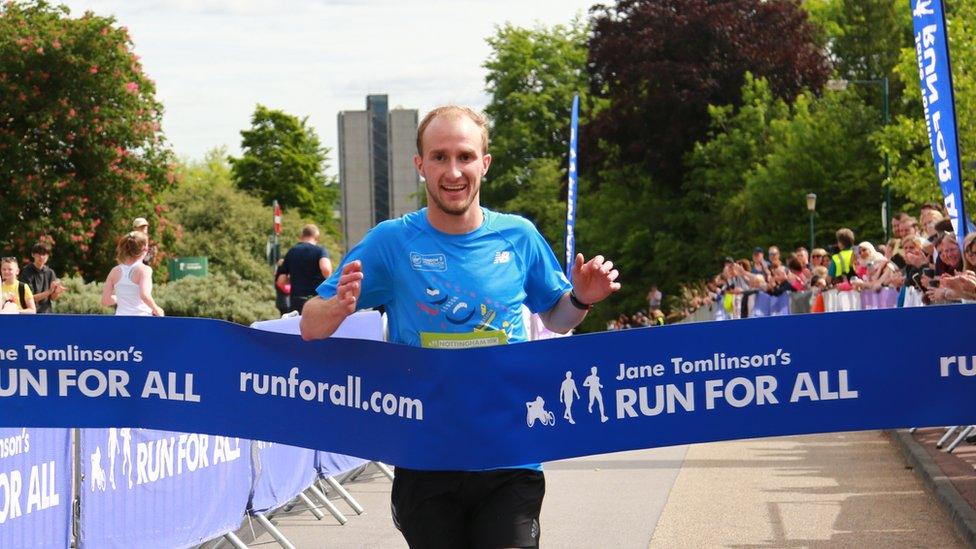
x: 81, y: 298
x: 906, y: 139
x: 532, y: 77
x: 81, y: 152
x: 284, y: 160
x: 865, y: 38
x: 749, y: 182
x: 225, y: 297
x: 231, y: 227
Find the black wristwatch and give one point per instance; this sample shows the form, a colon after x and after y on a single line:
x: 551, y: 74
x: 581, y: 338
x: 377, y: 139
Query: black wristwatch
x: 577, y: 303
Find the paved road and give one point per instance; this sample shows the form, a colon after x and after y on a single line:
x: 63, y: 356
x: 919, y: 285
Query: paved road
x: 836, y: 490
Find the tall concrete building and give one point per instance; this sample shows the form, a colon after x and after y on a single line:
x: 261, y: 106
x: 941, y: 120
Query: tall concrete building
x: 376, y: 172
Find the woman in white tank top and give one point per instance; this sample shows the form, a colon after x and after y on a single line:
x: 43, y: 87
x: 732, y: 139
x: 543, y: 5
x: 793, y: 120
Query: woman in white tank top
x: 129, y: 284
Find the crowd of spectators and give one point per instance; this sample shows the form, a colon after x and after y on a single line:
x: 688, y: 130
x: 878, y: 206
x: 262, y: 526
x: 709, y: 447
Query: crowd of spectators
x: 33, y: 288
x: 923, y: 261
x: 652, y: 316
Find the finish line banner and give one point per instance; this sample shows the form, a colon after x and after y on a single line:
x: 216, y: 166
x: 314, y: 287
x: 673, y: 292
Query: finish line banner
x: 495, y: 406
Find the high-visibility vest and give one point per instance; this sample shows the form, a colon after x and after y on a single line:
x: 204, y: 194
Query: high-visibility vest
x: 843, y: 262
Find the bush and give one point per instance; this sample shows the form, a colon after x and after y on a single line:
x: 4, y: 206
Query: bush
x: 213, y: 218
x: 219, y: 296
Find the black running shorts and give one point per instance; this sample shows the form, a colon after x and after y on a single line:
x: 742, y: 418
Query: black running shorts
x: 480, y: 509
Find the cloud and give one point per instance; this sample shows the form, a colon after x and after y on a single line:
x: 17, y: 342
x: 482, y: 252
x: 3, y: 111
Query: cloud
x: 214, y: 60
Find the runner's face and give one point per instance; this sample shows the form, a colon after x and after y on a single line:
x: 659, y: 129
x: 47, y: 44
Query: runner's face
x: 452, y: 164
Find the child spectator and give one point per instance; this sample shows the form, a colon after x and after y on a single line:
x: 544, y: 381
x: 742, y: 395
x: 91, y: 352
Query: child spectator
x: 16, y: 296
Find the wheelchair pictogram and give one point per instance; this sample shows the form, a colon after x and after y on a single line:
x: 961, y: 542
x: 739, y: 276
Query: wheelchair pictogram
x: 536, y: 411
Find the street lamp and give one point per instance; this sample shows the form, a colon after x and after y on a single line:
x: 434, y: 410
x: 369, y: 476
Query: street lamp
x: 812, y: 208
x: 840, y: 85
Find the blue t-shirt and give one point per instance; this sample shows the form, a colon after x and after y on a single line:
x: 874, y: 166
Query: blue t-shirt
x: 453, y: 291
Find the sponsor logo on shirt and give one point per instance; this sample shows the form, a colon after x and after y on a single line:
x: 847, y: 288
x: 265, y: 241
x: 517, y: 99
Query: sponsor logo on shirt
x: 502, y: 257
x: 428, y: 262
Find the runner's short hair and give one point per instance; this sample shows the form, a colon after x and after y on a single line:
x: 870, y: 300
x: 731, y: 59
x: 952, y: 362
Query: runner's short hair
x: 453, y: 111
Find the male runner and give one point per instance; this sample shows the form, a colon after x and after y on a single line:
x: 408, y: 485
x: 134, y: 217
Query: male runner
x: 449, y: 273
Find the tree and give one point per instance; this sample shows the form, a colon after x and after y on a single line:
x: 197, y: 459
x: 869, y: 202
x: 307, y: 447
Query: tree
x: 284, y: 160
x: 865, y: 39
x: 81, y: 151
x: 532, y: 77
x: 211, y: 217
x: 662, y: 62
x: 906, y: 139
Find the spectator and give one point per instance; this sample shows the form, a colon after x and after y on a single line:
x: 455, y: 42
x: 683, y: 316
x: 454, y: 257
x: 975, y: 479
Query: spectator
x: 803, y: 256
x: 929, y: 219
x: 306, y: 266
x: 818, y: 258
x: 963, y: 284
x: 880, y: 270
x: 950, y: 259
x: 795, y: 275
x: 860, y: 266
x: 774, y: 258
x: 657, y: 318
x: 779, y: 283
x: 42, y: 280
x: 128, y: 285
x: 17, y: 297
x: 917, y: 265
x: 654, y: 297
x: 141, y: 225
x: 969, y: 252
x: 898, y: 231
x: 759, y: 263
x: 841, y: 266
x: 819, y: 279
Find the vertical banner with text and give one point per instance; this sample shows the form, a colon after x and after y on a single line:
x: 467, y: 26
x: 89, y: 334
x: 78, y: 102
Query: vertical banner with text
x: 935, y: 76
x: 571, y: 191
x: 35, y: 487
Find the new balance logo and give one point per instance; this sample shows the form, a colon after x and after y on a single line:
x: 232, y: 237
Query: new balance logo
x: 502, y: 257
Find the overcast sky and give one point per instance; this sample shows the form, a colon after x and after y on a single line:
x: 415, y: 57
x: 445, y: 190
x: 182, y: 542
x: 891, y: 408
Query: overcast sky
x: 214, y: 60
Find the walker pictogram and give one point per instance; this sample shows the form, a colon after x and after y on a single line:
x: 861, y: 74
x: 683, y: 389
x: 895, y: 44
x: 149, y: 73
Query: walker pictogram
x: 566, y: 394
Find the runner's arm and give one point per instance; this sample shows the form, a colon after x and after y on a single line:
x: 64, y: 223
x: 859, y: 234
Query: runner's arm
x: 108, y: 297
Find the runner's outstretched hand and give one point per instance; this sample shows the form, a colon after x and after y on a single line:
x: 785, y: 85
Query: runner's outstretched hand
x: 322, y: 317
x: 594, y: 280
x: 350, y: 286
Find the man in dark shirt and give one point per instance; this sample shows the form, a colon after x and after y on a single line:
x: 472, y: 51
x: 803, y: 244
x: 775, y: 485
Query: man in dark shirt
x: 42, y: 280
x: 306, y: 266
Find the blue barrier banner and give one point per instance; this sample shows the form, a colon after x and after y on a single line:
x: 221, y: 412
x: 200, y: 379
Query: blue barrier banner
x: 146, y: 488
x: 935, y: 76
x: 281, y: 472
x: 495, y: 406
x: 35, y: 487
x: 571, y: 190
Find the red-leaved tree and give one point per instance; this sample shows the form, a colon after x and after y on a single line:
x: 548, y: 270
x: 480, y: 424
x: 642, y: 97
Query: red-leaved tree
x: 661, y: 63
x: 81, y: 151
